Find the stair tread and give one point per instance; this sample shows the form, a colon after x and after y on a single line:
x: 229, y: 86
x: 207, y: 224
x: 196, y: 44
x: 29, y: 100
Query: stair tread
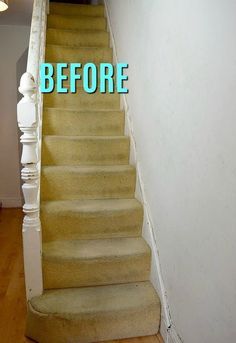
x: 87, y: 182
x: 91, y: 219
x: 72, y: 110
x: 77, y: 38
x: 75, y: 16
x: 78, y: 31
x: 84, y: 48
x: 94, y: 314
x: 85, y: 300
x: 72, y: 122
x: 83, y: 100
x: 68, y: 4
x: 102, y: 96
x: 95, y: 248
x: 85, y: 150
x: 90, y: 205
x: 90, y: 169
x: 69, y: 9
x: 81, y: 138
x: 74, y: 54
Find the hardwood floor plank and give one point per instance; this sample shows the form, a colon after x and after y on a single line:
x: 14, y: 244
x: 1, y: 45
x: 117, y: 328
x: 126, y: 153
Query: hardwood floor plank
x: 160, y: 339
x: 12, y: 288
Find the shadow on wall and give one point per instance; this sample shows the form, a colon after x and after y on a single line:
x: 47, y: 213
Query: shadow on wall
x: 21, y: 65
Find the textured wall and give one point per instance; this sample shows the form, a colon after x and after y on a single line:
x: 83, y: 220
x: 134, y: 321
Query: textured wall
x: 182, y: 57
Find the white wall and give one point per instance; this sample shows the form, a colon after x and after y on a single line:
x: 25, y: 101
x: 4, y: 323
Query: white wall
x: 182, y: 99
x: 13, y: 42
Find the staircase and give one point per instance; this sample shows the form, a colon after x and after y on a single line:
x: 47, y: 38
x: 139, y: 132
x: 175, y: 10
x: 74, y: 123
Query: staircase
x: 96, y: 265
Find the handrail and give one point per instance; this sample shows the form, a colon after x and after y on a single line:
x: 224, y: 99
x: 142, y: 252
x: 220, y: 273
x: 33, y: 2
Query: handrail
x: 29, y: 117
x: 34, y: 43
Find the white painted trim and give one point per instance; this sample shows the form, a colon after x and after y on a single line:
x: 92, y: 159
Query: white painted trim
x: 34, y: 42
x: 29, y: 117
x: 164, y: 329
x: 173, y: 337
x: 168, y: 332
x: 11, y: 202
x: 169, y: 335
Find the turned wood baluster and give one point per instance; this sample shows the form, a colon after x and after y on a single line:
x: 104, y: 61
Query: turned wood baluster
x: 27, y: 118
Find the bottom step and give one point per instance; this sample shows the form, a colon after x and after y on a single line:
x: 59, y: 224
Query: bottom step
x: 93, y: 314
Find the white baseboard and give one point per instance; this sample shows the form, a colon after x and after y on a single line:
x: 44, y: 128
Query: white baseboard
x: 173, y: 337
x: 148, y: 231
x: 11, y: 202
x: 169, y: 335
x: 164, y: 329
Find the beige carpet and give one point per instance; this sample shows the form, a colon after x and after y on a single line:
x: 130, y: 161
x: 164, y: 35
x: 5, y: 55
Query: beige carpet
x: 96, y: 265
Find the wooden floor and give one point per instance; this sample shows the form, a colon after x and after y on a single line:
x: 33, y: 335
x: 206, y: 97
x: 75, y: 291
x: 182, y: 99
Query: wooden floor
x: 12, y: 289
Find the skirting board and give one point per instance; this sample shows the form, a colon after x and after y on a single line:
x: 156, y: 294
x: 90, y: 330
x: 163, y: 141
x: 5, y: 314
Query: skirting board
x: 11, y: 202
x: 169, y: 335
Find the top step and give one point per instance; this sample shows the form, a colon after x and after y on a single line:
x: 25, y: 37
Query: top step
x: 74, y: 9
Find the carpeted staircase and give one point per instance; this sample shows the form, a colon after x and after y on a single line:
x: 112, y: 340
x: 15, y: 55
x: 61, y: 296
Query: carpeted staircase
x: 96, y: 265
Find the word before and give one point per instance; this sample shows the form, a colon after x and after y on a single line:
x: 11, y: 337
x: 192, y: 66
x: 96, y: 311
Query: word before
x: 64, y: 77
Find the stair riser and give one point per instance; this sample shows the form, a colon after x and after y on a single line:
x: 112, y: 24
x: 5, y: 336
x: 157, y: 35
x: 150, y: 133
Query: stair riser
x: 69, y: 123
x: 66, y: 151
x: 83, y: 101
x: 72, y: 225
x: 62, y: 54
x: 68, y: 9
x: 76, y: 23
x: 104, y: 271
x: 135, y: 322
x: 77, y: 39
x: 73, y: 185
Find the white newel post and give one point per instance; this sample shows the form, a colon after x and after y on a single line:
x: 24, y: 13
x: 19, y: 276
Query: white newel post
x: 27, y: 117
